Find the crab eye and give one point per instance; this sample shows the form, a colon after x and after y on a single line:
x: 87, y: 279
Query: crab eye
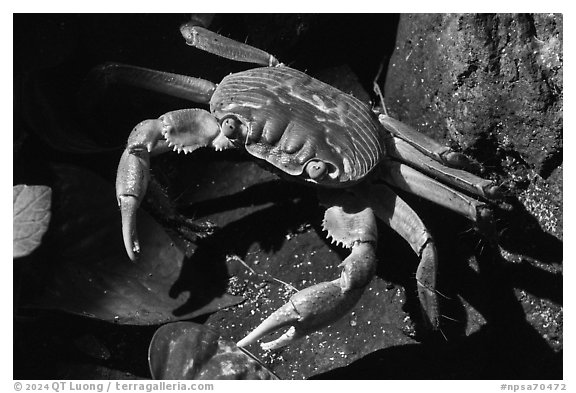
x: 230, y: 127
x: 316, y: 169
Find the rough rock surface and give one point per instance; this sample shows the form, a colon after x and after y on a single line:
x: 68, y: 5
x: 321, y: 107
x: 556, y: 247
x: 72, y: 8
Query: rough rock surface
x: 477, y: 79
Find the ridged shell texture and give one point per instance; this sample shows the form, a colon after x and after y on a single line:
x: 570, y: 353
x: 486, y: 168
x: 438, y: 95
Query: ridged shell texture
x: 294, y: 118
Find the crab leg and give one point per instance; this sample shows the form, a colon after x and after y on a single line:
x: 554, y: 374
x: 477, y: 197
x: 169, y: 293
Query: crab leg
x: 182, y: 86
x: 410, y: 180
x: 424, y: 153
x: 318, y: 306
x: 423, y: 143
x: 183, y: 130
x: 405, y: 152
x: 216, y: 44
x: 399, y: 216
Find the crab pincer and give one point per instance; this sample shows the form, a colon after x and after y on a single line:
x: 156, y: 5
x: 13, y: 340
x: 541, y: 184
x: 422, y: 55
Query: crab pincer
x: 320, y: 305
x: 133, y: 177
x: 307, y: 311
x: 182, y: 131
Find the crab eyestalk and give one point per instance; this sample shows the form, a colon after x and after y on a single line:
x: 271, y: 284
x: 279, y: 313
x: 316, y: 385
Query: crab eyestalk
x: 316, y: 169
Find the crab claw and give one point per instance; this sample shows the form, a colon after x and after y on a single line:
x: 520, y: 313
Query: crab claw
x: 354, y: 226
x: 128, y: 207
x: 307, y: 311
x: 318, y: 306
x: 131, y: 183
x: 184, y: 130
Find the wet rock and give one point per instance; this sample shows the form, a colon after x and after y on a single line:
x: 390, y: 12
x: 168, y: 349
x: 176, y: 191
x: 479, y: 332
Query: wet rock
x: 482, y: 82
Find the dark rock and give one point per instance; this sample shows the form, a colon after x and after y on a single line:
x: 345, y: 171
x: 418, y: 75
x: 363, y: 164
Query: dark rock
x: 488, y: 84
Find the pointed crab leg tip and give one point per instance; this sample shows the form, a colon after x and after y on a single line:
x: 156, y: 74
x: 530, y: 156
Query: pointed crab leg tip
x: 272, y: 345
x: 456, y: 158
x: 495, y: 191
x: 128, y: 209
x: 134, y: 252
x: 244, y: 342
x: 287, y: 338
x: 133, y: 256
x: 285, y: 315
x: 132, y: 247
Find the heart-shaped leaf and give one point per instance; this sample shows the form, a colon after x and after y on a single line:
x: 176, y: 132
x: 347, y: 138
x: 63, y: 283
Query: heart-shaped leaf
x: 186, y: 350
x: 92, y: 275
x: 31, y: 217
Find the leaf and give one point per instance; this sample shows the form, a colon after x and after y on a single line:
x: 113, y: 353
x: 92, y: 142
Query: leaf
x: 186, y: 350
x: 92, y: 275
x: 31, y: 217
x: 377, y: 322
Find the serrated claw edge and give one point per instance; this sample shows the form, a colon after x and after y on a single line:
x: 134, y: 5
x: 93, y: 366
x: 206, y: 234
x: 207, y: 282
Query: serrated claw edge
x: 345, y: 229
x: 330, y: 236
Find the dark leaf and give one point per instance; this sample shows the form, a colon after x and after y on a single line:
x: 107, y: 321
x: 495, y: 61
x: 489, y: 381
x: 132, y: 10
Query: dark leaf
x: 186, y: 350
x: 92, y: 274
x: 90, y: 345
x: 31, y: 217
x: 377, y: 322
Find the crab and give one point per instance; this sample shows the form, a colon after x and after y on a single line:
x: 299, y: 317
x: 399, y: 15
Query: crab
x: 310, y: 132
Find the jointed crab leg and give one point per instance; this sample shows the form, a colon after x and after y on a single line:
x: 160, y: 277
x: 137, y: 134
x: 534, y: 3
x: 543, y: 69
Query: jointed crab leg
x: 216, y: 44
x: 182, y: 86
x: 399, y: 216
x: 411, y: 180
x: 183, y: 130
x: 318, y: 306
x: 133, y: 176
x: 405, y: 152
x: 423, y: 143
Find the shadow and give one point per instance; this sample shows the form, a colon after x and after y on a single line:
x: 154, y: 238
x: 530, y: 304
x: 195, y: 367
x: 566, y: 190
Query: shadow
x: 54, y: 345
x: 518, y: 225
x: 487, y: 354
x: 267, y: 227
x: 505, y: 346
x: 276, y: 191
